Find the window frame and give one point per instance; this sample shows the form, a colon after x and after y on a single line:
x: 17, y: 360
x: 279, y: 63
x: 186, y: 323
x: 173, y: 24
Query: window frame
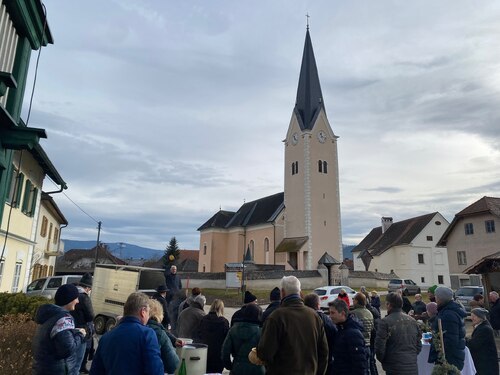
x: 17, y: 277
x: 489, y: 226
x: 462, y: 258
x: 420, y: 258
x: 469, y: 229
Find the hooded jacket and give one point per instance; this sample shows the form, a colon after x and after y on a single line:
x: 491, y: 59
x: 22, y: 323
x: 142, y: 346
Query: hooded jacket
x: 168, y: 355
x: 189, y: 320
x: 56, y: 341
x: 452, y: 320
x: 349, y: 349
x: 240, y: 340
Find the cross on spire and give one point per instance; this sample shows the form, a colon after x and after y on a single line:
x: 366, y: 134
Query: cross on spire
x: 307, y: 20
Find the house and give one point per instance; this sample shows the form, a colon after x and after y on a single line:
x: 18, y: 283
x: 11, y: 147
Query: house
x: 471, y: 236
x: 489, y: 269
x: 293, y: 228
x: 80, y: 261
x: 48, y: 240
x: 187, y: 262
x: 407, y: 248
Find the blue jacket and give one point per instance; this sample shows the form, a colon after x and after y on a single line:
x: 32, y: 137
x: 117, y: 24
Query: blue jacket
x: 349, y: 351
x: 56, y: 342
x: 130, y: 348
x: 452, y: 320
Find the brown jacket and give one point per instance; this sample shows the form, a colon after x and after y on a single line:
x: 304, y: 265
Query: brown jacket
x: 293, y: 340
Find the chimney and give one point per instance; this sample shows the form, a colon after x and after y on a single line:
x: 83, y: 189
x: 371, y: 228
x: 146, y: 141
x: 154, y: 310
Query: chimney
x: 386, y: 223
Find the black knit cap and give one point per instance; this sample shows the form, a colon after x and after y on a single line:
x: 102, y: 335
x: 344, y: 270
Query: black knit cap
x: 275, y: 294
x: 86, y: 280
x: 249, y: 297
x: 65, y: 294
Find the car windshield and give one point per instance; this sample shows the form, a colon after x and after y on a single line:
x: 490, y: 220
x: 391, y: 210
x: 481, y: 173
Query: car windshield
x: 395, y: 281
x: 320, y: 292
x: 468, y: 292
x: 36, y: 285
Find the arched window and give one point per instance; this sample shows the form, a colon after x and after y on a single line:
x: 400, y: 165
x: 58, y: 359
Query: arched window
x: 293, y: 168
x: 320, y: 166
x: 251, y: 246
x: 266, y: 244
x: 325, y: 167
x: 204, y: 249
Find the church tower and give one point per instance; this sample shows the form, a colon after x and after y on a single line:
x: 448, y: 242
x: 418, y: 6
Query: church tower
x: 312, y: 199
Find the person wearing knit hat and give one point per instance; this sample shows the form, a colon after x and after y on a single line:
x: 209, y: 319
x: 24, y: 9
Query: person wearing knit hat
x: 430, y: 293
x: 482, y: 343
x: 452, y: 317
x: 275, y: 298
x: 84, y: 318
x: 58, y: 344
x: 248, y: 298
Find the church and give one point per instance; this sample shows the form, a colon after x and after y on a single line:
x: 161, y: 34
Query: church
x: 297, y: 227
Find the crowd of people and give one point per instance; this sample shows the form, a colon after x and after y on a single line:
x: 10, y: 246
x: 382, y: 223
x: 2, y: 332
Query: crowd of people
x: 291, y: 336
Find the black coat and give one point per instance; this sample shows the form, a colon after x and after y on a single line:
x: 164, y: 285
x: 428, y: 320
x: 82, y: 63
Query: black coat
x: 406, y: 304
x: 349, y: 352
x: 83, y: 312
x: 272, y: 306
x: 212, y: 332
x: 164, y: 304
x: 172, y: 281
x: 483, y: 350
x: 495, y: 315
x: 330, y: 331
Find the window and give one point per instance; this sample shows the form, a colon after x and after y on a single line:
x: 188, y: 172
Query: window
x: 17, y: 274
x: 18, y: 190
x: 251, y: 246
x: 422, y: 279
x: 13, y: 187
x: 490, y: 226
x: 54, y: 283
x: 420, y: 258
x: 56, y: 235
x: 266, y: 245
x: 439, y: 258
x: 204, y: 268
x: 204, y: 249
x: 50, y: 235
x: 320, y: 166
x: 36, y: 285
x: 429, y: 238
x: 462, y: 258
x: 295, y: 167
x: 437, y: 222
x: 29, y: 198
x: 469, y: 229
x: 43, y: 229
x: 440, y: 279
x: 325, y: 167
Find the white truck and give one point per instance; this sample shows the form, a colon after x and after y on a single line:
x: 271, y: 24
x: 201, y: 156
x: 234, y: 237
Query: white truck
x: 112, y: 284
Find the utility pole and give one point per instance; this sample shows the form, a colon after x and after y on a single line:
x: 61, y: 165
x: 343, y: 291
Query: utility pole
x: 99, y: 223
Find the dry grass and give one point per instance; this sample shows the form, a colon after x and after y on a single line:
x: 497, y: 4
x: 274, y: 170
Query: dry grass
x: 16, y: 335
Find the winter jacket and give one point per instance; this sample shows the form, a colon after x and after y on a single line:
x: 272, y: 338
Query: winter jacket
x: 293, y: 340
x: 212, y: 332
x: 345, y: 298
x: 406, y: 304
x: 375, y: 302
x: 483, y: 350
x: 130, y: 348
x: 172, y: 281
x: 272, y: 306
x: 349, y: 349
x: 452, y: 320
x: 365, y: 317
x: 189, y: 321
x: 419, y: 308
x: 83, y: 314
x: 397, y: 343
x: 56, y: 342
x: 240, y: 340
x: 168, y: 355
x: 164, y: 304
x: 330, y: 332
x: 495, y: 315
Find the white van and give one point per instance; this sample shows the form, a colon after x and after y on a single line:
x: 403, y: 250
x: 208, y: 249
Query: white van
x: 47, y: 286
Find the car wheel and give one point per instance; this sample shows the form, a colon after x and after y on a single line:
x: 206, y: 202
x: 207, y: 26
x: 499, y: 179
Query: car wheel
x: 100, y: 324
x: 110, y: 324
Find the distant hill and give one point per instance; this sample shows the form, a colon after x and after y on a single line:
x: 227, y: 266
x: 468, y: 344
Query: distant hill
x: 121, y: 250
x: 347, y: 250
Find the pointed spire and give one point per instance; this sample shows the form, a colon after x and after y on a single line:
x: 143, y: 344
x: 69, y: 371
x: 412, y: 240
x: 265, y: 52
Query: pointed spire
x: 309, y: 97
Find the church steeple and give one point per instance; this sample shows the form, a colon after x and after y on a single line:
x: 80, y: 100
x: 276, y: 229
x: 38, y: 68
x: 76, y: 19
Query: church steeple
x: 309, y: 97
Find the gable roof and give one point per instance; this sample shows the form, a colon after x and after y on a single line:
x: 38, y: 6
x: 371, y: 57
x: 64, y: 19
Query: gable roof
x: 309, y: 96
x: 260, y: 211
x: 51, y: 203
x: 484, y: 205
x: 399, y: 233
x: 83, y: 260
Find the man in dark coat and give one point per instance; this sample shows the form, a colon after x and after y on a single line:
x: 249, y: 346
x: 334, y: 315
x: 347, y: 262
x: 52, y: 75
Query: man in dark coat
x: 312, y: 301
x: 494, y: 311
x: 397, y: 343
x: 248, y: 299
x: 83, y: 314
x: 349, y: 350
x: 172, y: 280
x: 275, y: 298
x: 419, y: 307
x: 452, y: 317
x: 482, y: 344
x: 293, y: 339
x: 161, y: 296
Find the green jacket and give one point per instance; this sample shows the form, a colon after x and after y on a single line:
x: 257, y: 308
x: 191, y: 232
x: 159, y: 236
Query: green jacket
x: 168, y: 355
x: 240, y: 340
x: 365, y: 317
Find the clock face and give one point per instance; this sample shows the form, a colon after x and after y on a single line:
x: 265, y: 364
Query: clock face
x: 322, y: 136
x: 295, y: 138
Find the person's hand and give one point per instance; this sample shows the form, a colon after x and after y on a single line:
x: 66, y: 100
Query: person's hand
x: 82, y: 331
x: 254, y: 359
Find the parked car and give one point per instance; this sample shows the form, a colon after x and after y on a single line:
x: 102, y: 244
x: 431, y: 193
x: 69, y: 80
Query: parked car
x: 330, y: 293
x: 47, y: 286
x: 406, y: 286
x: 466, y: 294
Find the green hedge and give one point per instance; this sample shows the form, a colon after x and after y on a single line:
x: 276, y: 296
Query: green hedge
x: 20, y: 303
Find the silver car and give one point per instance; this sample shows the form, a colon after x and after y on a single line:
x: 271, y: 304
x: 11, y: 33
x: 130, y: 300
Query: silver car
x: 466, y: 294
x: 47, y: 286
x: 406, y: 286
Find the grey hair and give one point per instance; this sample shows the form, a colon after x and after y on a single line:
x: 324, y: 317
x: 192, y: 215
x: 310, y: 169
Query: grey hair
x: 135, y: 302
x: 290, y: 284
x: 200, y: 298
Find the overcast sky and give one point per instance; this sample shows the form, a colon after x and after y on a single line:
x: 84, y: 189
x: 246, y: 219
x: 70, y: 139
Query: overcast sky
x: 160, y: 112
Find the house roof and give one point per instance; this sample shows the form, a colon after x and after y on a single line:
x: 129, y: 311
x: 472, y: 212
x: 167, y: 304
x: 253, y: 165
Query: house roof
x: 50, y: 201
x: 490, y: 263
x: 260, y: 211
x: 309, y: 97
x: 82, y: 260
x: 484, y: 205
x: 399, y: 233
x: 328, y: 260
x: 290, y: 245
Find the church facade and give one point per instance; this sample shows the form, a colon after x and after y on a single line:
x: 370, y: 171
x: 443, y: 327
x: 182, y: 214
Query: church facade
x: 296, y: 227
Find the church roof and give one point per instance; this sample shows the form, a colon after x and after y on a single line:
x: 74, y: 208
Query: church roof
x: 309, y: 97
x: 399, y: 233
x: 260, y: 211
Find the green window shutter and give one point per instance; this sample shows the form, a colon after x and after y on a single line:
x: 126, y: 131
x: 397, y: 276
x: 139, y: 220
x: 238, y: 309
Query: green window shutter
x: 33, y: 202
x: 26, y: 197
x: 20, y: 182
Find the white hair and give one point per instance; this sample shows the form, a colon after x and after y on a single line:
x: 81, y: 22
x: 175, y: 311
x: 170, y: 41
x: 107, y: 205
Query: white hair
x: 290, y: 284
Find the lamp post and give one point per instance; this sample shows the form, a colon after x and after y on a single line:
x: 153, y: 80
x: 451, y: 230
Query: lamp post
x: 247, y: 258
